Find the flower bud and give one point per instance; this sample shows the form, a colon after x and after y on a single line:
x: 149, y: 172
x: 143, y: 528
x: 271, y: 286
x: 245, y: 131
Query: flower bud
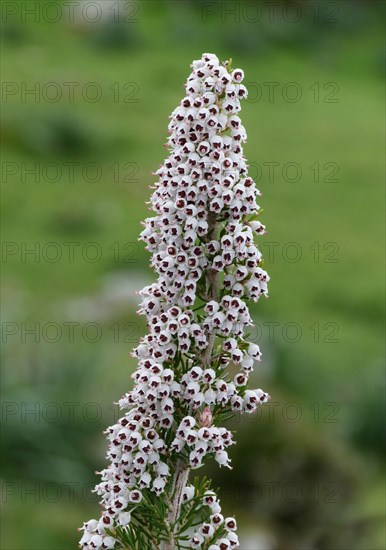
x: 206, y: 418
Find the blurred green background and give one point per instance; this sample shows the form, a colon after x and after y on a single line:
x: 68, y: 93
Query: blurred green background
x: 87, y: 91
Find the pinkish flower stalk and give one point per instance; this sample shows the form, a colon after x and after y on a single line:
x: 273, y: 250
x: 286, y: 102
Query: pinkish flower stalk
x: 194, y: 364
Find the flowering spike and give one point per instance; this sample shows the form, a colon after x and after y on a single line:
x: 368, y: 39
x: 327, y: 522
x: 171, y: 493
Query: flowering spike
x: 201, y: 239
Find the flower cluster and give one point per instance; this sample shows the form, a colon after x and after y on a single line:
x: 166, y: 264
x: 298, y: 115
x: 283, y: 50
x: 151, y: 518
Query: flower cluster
x: 218, y: 533
x: 194, y: 363
x: 202, y: 440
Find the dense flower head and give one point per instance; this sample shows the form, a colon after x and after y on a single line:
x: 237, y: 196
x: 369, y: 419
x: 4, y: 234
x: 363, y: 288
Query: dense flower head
x: 194, y: 363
